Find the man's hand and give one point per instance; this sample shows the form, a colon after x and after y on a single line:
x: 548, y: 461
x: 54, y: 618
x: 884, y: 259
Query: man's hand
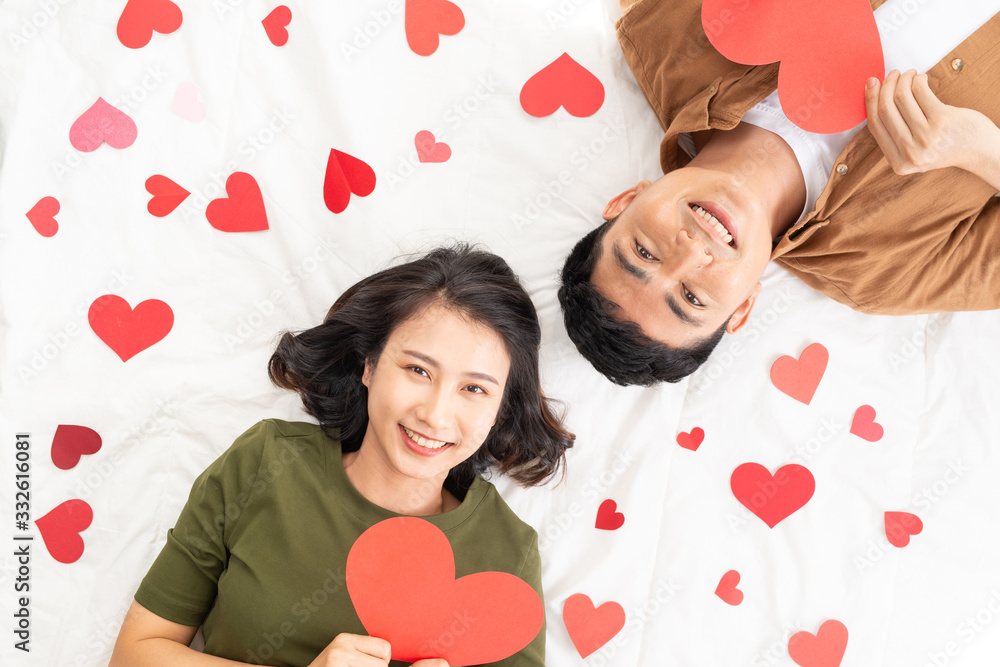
x: 917, y: 132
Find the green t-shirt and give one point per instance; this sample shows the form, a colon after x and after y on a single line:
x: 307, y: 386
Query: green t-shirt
x: 258, y: 553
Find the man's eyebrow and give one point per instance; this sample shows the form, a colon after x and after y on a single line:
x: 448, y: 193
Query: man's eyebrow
x: 681, y: 314
x: 627, y: 266
x: 430, y: 361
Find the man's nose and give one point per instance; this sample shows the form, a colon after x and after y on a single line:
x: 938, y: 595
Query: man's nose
x: 688, y: 256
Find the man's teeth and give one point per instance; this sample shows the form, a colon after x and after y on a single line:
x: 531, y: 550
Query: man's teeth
x: 424, y: 442
x: 712, y: 220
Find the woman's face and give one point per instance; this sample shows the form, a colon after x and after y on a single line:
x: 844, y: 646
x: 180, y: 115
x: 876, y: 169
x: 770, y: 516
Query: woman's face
x: 434, y: 394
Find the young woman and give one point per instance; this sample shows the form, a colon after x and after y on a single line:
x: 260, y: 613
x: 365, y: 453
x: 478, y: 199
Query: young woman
x: 422, y: 377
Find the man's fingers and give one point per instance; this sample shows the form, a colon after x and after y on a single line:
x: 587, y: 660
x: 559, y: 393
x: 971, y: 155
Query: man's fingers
x: 907, y: 106
x: 888, y: 113
x: 925, y: 97
x: 875, y: 126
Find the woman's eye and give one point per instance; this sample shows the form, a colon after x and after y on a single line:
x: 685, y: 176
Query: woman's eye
x: 691, y: 298
x: 418, y: 370
x: 643, y: 252
x: 476, y: 389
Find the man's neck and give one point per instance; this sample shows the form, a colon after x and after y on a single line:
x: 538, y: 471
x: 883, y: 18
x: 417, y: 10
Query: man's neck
x: 761, y: 161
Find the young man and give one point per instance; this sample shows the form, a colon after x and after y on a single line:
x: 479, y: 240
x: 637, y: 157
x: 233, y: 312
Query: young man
x: 896, y: 216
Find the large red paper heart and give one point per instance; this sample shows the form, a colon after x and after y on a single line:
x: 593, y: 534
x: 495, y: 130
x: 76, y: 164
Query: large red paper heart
x: 824, y: 649
x: 129, y: 331
x: 691, y: 440
x: 828, y: 50
x: 899, y: 526
x: 346, y: 174
x: 563, y: 83
x: 401, y: 579
x: 772, y: 498
x: 243, y: 210
x: 727, y: 591
x: 71, y: 442
x: 591, y: 627
x: 42, y: 216
x: 427, y: 20
x: 607, y: 516
x: 429, y: 150
x: 61, y: 527
x: 141, y: 18
x: 800, y: 377
x: 102, y: 123
x: 167, y: 195
x: 276, y: 25
x: 864, y: 425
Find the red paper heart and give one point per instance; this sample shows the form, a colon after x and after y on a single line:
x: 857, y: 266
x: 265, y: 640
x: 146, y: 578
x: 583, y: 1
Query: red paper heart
x: 61, y: 527
x: 824, y: 649
x: 607, y: 517
x: 591, y: 628
x: 243, y: 210
x: 141, y: 18
x: 401, y: 579
x: 864, y: 425
x: 800, y: 377
x: 346, y: 174
x: 772, y: 498
x: 429, y: 150
x: 691, y: 440
x: 427, y: 20
x: 167, y: 195
x: 827, y: 50
x: 71, y: 442
x: 129, y: 331
x: 899, y: 526
x: 102, y: 123
x: 727, y: 591
x: 275, y: 25
x: 42, y: 216
x: 563, y: 83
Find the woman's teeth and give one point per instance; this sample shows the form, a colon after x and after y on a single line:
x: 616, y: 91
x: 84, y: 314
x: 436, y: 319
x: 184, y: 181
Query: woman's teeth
x: 424, y: 442
x: 712, y: 220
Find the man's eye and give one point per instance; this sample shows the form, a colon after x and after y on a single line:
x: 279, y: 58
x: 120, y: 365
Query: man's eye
x: 691, y: 298
x: 643, y: 252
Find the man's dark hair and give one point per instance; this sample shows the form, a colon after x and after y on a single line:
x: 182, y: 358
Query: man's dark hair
x: 618, y: 349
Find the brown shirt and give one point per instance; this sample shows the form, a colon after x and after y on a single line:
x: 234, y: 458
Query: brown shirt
x: 876, y: 241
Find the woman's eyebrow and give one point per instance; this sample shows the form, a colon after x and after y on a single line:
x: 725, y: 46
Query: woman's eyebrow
x: 430, y: 361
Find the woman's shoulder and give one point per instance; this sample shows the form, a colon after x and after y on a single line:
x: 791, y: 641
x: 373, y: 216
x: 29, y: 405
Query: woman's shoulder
x: 277, y: 440
x: 495, y: 514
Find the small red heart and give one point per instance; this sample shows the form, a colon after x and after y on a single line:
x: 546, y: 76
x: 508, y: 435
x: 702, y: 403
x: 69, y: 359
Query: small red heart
x: 591, y: 627
x: 800, y: 377
x: 824, y: 649
x: 607, y: 517
x: 401, y: 578
x: 429, y: 150
x: 827, y: 51
x: 275, y: 25
x: 899, y: 526
x: 42, y: 216
x: 864, y: 425
x: 691, y: 440
x: 243, y: 210
x: 772, y: 498
x: 102, y: 123
x: 61, y: 528
x: 129, y: 331
x: 71, y: 442
x: 727, y: 591
x: 141, y: 18
x: 563, y: 83
x: 346, y: 174
x: 427, y: 20
x: 167, y: 195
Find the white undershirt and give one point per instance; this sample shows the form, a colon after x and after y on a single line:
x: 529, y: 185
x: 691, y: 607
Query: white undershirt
x: 915, y: 34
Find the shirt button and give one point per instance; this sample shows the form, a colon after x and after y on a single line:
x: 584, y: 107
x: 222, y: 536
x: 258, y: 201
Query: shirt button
x: 957, y: 64
x: 842, y: 169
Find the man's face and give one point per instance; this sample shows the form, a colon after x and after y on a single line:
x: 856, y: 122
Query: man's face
x: 674, y: 272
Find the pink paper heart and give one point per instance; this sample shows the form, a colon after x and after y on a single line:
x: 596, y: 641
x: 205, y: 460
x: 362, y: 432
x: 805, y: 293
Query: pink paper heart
x: 102, y: 123
x: 429, y: 150
x: 186, y: 104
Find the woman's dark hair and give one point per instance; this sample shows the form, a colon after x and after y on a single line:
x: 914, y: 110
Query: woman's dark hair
x: 619, y: 349
x: 325, y: 364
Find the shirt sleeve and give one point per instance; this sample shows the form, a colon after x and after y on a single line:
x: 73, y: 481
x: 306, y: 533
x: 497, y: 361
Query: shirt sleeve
x: 182, y: 583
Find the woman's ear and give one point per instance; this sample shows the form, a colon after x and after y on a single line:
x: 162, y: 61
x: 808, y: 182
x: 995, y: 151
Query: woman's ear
x: 366, y: 377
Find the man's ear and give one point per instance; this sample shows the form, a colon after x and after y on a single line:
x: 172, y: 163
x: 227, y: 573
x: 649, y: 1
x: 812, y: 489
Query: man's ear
x: 742, y: 313
x: 621, y: 202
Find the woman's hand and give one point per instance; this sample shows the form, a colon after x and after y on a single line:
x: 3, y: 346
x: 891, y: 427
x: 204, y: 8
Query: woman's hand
x: 430, y: 662
x: 347, y: 650
x: 917, y: 132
